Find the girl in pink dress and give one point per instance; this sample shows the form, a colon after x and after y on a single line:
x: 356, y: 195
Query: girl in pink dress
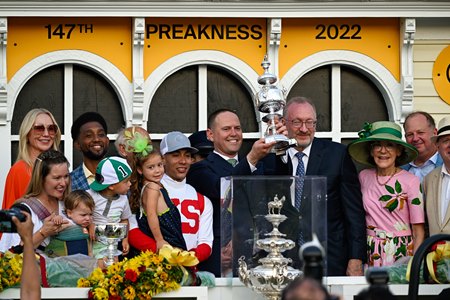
x: 392, y: 197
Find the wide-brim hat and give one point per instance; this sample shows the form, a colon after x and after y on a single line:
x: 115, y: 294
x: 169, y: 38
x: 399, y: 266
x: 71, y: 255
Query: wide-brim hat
x: 443, y: 129
x: 359, y: 150
x: 110, y: 170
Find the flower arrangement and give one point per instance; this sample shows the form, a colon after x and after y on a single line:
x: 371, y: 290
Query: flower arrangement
x: 10, y: 269
x: 140, y: 277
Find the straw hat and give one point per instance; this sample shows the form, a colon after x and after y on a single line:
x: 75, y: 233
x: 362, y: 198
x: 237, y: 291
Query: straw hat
x: 443, y: 129
x: 380, y: 131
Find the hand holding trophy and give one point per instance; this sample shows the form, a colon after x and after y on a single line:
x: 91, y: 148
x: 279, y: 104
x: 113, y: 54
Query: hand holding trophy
x: 270, y: 99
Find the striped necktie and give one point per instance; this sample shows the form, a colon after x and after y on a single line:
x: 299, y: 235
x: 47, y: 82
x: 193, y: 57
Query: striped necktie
x: 232, y: 161
x: 300, y: 172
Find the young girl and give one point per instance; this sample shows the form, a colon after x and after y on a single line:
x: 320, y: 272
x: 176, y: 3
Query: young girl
x: 157, y: 216
x: 74, y: 239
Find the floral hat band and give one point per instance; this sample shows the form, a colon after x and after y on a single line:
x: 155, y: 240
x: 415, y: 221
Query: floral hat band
x: 359, y: 149
x: 137, y: 143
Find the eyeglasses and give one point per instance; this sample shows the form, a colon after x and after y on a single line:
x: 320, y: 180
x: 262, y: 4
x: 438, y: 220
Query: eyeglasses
x: 298, y: 124
x: 40, y: 129
x: 388, y: 146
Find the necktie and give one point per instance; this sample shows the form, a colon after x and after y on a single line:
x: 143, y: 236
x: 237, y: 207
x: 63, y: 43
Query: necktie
x: 232, y: 161
x: 300, y: 172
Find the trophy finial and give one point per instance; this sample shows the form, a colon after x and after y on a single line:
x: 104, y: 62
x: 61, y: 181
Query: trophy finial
x: 266, y: 78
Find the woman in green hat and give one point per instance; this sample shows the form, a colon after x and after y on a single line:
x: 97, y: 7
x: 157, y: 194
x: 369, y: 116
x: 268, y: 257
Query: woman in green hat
x: 392, y: 197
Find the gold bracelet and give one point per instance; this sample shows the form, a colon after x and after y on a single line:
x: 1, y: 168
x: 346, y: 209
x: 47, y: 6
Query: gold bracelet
x: 43, y: 235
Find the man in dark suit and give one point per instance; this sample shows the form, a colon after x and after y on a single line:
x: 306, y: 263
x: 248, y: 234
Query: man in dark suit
x: 224, y: 130
x: 346, y: 242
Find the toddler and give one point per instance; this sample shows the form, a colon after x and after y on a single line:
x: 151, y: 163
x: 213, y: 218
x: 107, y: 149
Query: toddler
x: 74, y: 239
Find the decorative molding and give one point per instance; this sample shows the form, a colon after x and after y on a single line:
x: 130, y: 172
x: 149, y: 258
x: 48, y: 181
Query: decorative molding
x: 273, y: 44
x: 376, y: 72
x: 407, y: 75
x: 3, y: 77
x: 138, y: 71
x: 109, y: 71
x: 235, y: 9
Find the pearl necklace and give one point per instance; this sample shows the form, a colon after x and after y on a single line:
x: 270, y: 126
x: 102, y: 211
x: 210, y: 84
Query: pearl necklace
x: 390, y: 177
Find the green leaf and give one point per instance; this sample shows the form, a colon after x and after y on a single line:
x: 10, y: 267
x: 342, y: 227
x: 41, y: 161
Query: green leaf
x: 385, y: 198
x: 398, y: 187
x: 415, y: 201
x: 389, y: 189
x: 392, y: 205
x: 376, y: 256
x: 396, y: 240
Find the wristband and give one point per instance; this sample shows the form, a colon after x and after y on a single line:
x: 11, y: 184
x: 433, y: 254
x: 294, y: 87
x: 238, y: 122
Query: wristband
x: 43, y: 235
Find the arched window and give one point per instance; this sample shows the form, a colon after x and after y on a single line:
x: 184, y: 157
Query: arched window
x: 67, y: 91
x: 186, y: 98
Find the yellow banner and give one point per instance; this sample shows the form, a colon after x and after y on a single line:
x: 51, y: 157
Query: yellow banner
x: 167, y: 37
x: 109, y: 38
x: 378, y: 38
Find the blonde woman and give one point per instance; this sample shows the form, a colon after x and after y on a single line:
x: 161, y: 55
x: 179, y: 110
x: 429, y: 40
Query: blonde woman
x: 38, y: 132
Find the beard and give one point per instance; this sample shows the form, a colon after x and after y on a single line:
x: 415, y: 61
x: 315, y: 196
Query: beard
x: 95, y: 156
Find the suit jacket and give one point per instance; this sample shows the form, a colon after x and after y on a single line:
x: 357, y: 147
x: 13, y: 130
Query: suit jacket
x: 345, y: 212
x: 432, y: 186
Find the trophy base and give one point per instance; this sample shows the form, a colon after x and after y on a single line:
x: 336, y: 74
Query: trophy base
x: 282, y: 143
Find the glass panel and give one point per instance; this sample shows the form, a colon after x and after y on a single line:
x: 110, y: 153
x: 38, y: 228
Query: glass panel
x: 361, y: 101
x: 226, y: 91
x: 316, y: 85
x: 253, y: 206
x: 174, y: 106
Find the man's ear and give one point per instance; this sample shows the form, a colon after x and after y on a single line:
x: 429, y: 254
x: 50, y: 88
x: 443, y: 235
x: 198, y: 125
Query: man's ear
x: 76, y: 144
x: 209, y: 135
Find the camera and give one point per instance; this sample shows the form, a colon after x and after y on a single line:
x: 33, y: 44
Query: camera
x: 6, y: 223
x: 312, y: 255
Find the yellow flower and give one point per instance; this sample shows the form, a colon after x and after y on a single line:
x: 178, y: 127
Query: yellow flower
x: 129, y: 293
x: 178, y: 257
x: 100, y: 294
x: 83, y: 282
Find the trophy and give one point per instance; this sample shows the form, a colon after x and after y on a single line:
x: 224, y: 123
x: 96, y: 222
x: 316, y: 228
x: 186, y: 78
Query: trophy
x: 274, y: 273
x: 270, y: 99
x: 110, y: 234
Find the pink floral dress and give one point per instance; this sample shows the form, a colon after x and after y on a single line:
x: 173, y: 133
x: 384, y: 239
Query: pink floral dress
x: 391, y: 209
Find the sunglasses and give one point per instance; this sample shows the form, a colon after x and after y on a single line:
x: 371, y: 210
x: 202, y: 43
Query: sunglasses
x: 51, y: 129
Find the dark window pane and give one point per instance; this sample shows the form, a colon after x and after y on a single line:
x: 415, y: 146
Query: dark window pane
x: 361, y: 101
x: 93, y: 93
x: 43, y: 90
x: 316, y: 85
x: 226, y: 91
x: 175, y: 103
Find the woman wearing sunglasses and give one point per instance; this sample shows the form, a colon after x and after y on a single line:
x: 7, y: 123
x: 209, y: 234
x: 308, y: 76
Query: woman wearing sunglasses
x: 38, y: 133
x: 392, y: 197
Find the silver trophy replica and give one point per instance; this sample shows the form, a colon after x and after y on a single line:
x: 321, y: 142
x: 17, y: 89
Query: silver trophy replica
x: 274, y: 273
x: 110, y: 234
x: 270, y: 99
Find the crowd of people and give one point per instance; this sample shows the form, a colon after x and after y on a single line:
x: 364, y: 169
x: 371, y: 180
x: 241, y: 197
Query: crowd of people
x: 172, y: 195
